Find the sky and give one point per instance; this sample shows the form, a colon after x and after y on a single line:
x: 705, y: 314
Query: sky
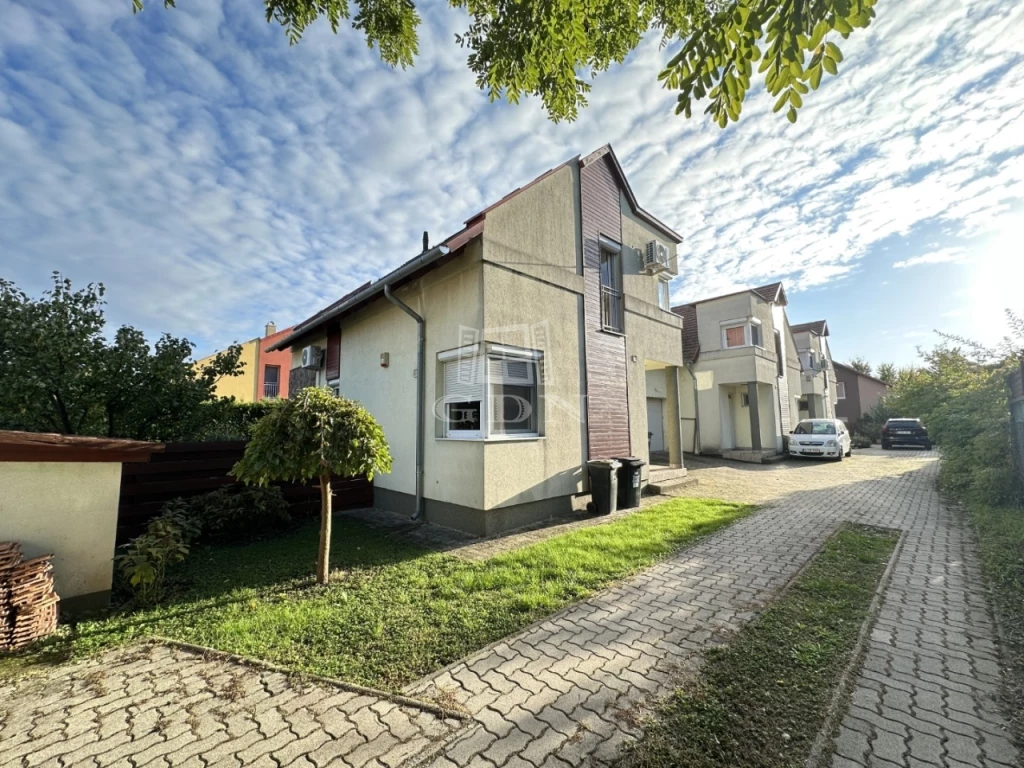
x: 214, y: 178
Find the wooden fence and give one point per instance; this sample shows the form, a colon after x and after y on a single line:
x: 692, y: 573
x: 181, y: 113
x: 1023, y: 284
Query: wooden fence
x: 190, y: 469
x: 1016, y: 383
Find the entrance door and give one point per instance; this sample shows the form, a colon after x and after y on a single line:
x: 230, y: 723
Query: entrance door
x: 656, y: 424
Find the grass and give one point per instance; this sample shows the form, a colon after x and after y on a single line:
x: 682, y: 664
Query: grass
x: 395, y: 612
x: 1000, y: 533
x: 762, y: 700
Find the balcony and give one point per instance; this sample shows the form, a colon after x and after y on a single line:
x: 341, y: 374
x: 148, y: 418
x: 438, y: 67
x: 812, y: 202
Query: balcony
x: 271, y: 389
x: 612, y: 315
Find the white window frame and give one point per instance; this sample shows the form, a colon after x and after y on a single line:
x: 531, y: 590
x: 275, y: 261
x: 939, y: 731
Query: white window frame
x: 664, y: 294
x: 840, y: 390
x: 746, y: 323
x: 488, y: 354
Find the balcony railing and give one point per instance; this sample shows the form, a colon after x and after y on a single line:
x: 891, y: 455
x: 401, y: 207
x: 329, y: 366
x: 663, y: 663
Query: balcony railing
x: 612, y: 310
x: 271, y: 388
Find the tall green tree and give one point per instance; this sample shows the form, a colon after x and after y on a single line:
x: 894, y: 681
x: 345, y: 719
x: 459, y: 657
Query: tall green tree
x: 315, y: 434
x: 887, y: 372
x: 860, y: 365
x: 58, y: 373
x: 554, y: 50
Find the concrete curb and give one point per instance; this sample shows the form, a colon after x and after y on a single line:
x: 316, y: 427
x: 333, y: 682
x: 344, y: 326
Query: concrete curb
x: 820, y: 749
x: 396, y: 698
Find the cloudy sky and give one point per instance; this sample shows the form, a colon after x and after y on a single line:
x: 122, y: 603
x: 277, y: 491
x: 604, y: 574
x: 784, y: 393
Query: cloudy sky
x: 214, y: 178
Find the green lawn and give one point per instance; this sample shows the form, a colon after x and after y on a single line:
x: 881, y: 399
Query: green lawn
x: 394, y: 612
x: 1001, y: 547
x: 761, y: 700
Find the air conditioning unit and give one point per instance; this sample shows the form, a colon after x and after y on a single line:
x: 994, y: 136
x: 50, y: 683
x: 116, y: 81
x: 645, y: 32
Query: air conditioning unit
x: 655, y: 257
x: 311, y: 357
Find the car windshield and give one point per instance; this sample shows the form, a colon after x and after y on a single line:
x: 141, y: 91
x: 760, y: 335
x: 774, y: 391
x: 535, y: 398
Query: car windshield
x: 904, y: 423
x: 815, y: 428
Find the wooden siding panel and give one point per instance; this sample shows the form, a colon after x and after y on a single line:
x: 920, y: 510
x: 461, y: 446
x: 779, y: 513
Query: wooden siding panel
x: 607, y: 397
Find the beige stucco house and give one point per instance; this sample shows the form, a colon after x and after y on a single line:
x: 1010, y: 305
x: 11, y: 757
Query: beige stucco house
x: 818, y: 390
x: 742, y: 369
x: 500, y: 361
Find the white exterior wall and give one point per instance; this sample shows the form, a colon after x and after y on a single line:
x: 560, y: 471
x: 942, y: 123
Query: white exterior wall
x: 69, y: 510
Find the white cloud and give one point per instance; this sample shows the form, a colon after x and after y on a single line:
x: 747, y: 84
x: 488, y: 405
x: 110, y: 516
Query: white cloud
x: 216, y: 178
x: 941, y: 256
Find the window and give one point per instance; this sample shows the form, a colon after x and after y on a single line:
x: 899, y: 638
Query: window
x: 755, y: 334
x: 490, y: 391
x: 664, y: 297
x: 841, y: 390
x: 736, y: 336
x: 271, y: 380
x: 611, y: 287
x: 746, y: 400
x: 780, y: 368
x: 815, y: 428
x: 801, y: 405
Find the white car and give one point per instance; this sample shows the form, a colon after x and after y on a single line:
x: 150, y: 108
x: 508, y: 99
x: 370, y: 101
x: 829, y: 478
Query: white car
x: 820, y: 439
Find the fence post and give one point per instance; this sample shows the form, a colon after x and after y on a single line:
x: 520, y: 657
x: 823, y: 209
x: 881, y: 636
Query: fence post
x: 1016, y: 402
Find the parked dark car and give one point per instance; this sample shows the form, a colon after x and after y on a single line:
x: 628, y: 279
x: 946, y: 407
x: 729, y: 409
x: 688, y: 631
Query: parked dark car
x: 905, y: 432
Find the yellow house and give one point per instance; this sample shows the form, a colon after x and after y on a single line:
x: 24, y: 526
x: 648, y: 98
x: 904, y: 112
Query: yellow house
x: 264, y: 372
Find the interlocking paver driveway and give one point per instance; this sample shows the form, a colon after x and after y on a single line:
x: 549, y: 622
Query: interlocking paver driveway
x: 565, y: 691
x: 159, y: 706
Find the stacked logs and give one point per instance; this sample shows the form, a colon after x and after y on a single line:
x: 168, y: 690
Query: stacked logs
x: 28, y: 602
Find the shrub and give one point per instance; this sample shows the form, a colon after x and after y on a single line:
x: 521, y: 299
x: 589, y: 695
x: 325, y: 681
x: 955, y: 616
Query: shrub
x: 167, y: 539
x: 234, y: 511
x: 860, y: 441
x: 228, y: 419
x: 240, y: 511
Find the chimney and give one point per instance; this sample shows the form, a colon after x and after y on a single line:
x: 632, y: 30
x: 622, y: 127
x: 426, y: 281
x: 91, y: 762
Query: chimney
x: 426, y: 241
x: 270, y: 329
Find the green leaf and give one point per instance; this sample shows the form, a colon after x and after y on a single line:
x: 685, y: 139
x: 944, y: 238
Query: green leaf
x: 832, y: 50
x: 829, y: 65
x: 791, y: 115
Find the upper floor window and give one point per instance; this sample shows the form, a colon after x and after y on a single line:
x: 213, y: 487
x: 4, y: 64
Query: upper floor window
x: 742, y: 333
x: 780, y: 366
x: 271, y: 380
x: 841, y: 390
x: 664, y: 296
x: 612, y: 305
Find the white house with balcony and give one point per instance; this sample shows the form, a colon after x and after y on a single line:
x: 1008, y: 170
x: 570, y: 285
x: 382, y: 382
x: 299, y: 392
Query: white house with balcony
x: 818, y: 391
x: 741, y: 373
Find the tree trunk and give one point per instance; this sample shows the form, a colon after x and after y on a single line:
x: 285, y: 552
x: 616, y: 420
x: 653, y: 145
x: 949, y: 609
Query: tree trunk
x: 323, y: 556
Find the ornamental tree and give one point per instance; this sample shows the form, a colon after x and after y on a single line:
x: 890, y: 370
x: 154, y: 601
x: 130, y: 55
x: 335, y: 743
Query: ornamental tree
x: 554, y: 49
x: 315, y: 434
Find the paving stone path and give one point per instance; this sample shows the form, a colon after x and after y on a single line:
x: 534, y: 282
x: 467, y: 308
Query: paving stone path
x: 568, y: 691
x: 160, y: 706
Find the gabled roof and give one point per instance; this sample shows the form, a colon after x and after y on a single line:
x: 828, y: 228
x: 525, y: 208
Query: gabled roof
x: 773, y: 293
x: 819, y: 327
x: 607, y: 150
x: 448, y: 249
x: 845, y: 367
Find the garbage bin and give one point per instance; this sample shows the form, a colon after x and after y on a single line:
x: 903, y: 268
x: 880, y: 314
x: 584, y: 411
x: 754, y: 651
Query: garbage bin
x: 629, y: 481
x: 604, y: 485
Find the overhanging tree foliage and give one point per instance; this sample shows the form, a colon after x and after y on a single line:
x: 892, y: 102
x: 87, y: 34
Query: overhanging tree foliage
x: 860, y: 365
x: 59, y: 374
x: 554, y: 49
x: 315, y: 434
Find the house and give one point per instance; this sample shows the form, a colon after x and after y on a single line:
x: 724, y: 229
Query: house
x: 742, y: 370
x: 264, y: 370
x: 856, y: 393
x: 501, y: 360
x: 818, y: 385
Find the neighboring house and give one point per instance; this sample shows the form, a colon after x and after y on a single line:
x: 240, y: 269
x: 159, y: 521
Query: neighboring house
x: 856, y: 393
x: 817, y: 393
x: 264, y: 371
x: 547, y: 341
x: 741, y: 370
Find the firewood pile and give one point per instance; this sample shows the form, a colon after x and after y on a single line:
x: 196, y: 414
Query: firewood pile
x: 28, y: 603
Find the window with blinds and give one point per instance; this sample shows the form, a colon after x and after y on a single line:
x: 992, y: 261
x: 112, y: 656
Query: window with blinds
x: 502, y: 402
x: 735, y: 336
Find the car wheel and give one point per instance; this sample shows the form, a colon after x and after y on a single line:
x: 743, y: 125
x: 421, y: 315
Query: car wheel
x: 927, y: 446
x: 885, y: 446
x: 840, y: 456
x: 849, y: 451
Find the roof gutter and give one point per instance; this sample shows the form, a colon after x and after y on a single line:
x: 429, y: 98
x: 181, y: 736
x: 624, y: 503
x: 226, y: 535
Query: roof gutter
x: 424, y: 259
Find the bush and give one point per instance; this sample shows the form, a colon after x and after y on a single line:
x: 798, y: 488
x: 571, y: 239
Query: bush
x: 167, y: 540
x: 232, y: 511
x: 228, y: 419
x: 860, y: 441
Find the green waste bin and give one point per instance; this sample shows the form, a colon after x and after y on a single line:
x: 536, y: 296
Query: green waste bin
x: 604, y: 485
x: 629, y: 481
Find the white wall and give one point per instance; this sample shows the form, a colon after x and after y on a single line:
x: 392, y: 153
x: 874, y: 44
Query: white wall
x: 68, y: 510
